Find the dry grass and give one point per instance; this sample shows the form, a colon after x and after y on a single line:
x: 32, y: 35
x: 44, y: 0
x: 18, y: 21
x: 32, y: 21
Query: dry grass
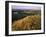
x: 32, y: 22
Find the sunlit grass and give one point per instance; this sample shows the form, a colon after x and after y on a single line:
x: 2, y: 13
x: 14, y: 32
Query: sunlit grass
x: 32, y: 22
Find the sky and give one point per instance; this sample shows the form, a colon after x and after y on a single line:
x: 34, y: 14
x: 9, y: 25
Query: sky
x: 26, y: 7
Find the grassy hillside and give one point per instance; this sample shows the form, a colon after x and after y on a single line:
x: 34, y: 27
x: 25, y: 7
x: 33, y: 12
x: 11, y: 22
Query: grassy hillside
x: 19, y: 14
x: 26, y: 20
x: 32, y: 22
